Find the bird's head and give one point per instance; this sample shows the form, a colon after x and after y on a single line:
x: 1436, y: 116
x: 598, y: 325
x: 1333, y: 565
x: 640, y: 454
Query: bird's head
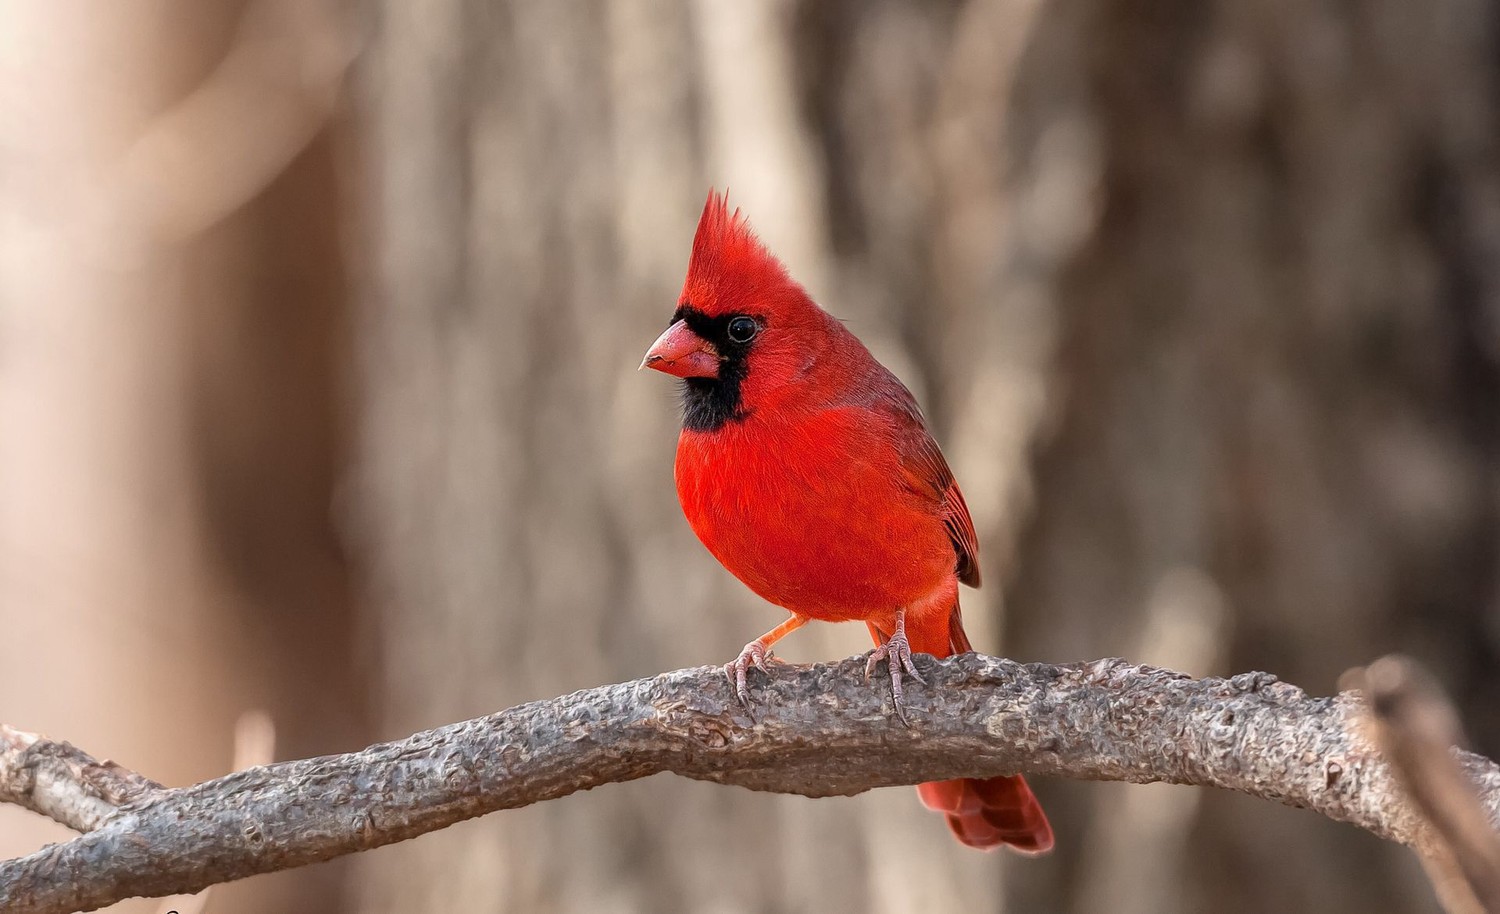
x: 743, y: 331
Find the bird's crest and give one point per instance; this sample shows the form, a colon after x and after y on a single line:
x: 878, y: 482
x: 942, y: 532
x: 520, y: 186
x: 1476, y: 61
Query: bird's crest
x: 730, y: 267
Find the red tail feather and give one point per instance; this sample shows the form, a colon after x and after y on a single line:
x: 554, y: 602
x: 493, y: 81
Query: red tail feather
x: 989, y: 813
x: 992, y: 813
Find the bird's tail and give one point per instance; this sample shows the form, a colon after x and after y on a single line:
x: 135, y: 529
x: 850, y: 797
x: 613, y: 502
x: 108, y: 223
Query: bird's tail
x: 982, y: 813
x: 991, y: 813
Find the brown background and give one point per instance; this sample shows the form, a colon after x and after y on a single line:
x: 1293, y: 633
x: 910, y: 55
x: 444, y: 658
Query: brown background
x: 318, y: 334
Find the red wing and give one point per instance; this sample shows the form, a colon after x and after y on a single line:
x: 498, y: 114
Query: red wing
x: 924, y: 462
x: 929, y: 462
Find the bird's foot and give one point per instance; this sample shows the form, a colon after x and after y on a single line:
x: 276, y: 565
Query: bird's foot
x: 755, y: 654
x: 896, y: 652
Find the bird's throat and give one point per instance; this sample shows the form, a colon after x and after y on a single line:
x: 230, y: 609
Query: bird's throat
x: 708, y: 404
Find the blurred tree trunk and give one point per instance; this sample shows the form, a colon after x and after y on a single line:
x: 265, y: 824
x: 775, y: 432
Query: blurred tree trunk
x: 1276, y: 384
x: 171, y: 341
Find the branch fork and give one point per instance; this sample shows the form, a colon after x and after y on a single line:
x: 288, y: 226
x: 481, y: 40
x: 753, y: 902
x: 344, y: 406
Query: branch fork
x: 819, y: 731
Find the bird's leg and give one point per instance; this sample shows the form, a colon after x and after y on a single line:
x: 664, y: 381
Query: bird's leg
x: 896, y: 652
x: 756, y: 653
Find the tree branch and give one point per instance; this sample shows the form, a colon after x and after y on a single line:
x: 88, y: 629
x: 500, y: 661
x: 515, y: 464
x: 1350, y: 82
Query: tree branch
x: 821, y: 731
x: 62, y: 782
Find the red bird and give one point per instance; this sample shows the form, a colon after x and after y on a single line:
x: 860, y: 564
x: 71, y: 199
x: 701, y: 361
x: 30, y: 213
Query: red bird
x: 807, y: 470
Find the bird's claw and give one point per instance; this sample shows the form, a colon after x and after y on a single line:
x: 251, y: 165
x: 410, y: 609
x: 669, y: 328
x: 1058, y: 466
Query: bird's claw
x: 896, y: 652
x: 754, y: 654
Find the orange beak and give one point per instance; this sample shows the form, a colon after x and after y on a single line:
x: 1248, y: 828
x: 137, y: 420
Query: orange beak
x: 682, y: 353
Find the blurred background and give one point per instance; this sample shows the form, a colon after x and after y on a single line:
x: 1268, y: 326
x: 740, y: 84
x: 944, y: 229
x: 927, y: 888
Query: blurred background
x: 319, y: 326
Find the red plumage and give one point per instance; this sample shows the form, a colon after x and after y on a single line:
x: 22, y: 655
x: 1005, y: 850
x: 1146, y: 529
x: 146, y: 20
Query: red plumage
x: 807, y: 469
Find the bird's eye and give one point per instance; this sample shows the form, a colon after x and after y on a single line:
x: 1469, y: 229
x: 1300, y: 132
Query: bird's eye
x: 743, y: 329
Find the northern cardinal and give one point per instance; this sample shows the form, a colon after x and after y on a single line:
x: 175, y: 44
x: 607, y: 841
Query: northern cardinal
x: 807, y: 469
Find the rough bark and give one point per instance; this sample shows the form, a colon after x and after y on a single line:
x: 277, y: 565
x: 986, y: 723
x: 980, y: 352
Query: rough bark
x: 62, y: 782
x: 817, y: 731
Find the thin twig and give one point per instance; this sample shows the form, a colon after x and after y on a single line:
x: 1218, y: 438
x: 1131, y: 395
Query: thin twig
x: 64, y: 783
x: 1416, y: 728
